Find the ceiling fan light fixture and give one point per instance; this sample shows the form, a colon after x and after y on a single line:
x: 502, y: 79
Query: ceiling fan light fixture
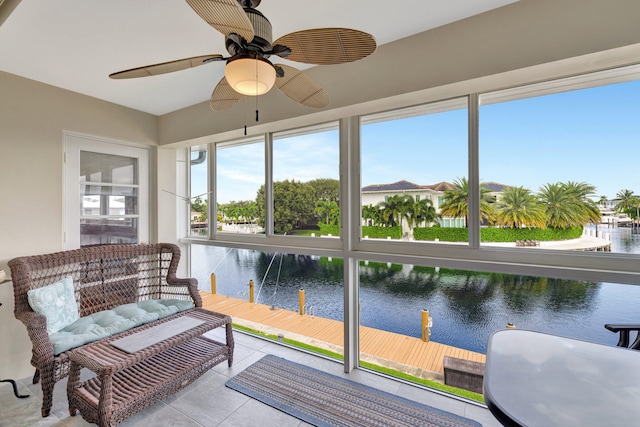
x: 250, y: 76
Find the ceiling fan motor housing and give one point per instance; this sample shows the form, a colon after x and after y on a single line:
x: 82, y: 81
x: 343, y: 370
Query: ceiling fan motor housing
x: 262, y: 34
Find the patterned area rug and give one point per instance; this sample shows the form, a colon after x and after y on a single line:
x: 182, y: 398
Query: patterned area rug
x: 327, y: 400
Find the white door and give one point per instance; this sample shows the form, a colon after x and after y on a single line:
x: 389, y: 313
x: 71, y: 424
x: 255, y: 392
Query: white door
x: 106, y: 192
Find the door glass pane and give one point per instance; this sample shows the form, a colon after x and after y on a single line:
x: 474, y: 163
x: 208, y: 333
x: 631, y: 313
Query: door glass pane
x: 108, y: 231
x: 108, y: 199
x: 99, y: 167
x: 105, y: 200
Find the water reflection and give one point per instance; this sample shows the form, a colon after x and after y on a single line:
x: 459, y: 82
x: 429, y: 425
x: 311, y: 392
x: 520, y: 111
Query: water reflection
x: 465, y: 306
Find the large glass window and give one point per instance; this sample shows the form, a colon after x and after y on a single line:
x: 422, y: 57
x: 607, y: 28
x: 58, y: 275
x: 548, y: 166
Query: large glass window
x: 560, y: 164
x: 414, y: 165
x: 239, y: 176
x: 465, y: 307
x: 306, y: 199
x: 199, y: 207
x: 542, y: 150
x: 293, y: 298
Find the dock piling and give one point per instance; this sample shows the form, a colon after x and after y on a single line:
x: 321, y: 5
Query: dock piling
x: 426, y: 325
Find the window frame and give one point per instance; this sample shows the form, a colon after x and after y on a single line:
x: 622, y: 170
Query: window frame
x: 601, y: 267
x: 621, y: 268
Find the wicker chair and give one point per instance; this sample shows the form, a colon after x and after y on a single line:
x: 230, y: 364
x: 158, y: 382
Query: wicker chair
x: 104, y: 277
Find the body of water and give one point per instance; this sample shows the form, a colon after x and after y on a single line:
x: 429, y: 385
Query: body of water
x: 466, y: 306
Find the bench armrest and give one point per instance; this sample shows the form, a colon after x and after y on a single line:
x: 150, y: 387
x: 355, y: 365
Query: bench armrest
x: 192, y: 286
x: 37, y: 329
x: 624, y: 330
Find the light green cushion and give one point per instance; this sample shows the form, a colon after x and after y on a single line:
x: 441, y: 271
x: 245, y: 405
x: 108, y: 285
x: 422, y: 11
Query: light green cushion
x: 109, y: 322
x: 56, y: 302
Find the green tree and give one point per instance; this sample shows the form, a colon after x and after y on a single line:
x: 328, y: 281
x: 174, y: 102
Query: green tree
x: 199, y: 205
x: 326, y: 189
x: 372, y: 215
x: 635, y: 213
x: 456, y: 201
x: 241, y: 211
x: 629, y: 203
x: 562, y: 211
x: 603, y: 201
x: 394, y: 208
x: 518, y: 208
x: 569, y: 204
x: 328, y: 210
x: 293, y: 205
x: 420, y: 212
x: 626, y: 200
x: 580, y: 193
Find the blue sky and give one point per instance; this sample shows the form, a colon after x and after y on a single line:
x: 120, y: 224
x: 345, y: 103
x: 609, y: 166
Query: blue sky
x: 589, y: 136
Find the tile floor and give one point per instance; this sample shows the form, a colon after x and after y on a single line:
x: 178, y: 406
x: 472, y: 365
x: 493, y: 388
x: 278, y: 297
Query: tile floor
x: 207, y: 402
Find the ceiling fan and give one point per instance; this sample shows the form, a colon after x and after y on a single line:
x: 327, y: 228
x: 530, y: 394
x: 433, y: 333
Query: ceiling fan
x: 248, y: 40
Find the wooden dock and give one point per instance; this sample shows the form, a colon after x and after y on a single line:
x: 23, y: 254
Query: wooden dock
x: 396, y: 351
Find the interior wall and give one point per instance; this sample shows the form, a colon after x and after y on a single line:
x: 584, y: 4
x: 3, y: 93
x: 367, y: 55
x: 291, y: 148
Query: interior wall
x: 32, y: 118
x: 520, y: 35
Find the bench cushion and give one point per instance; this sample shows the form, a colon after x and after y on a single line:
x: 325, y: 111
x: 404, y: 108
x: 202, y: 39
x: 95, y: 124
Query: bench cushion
x: 109, y: 322
x: 56, y: 302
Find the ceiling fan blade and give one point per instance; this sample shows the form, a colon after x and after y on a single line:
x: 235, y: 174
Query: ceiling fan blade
x: 165, y: 67
x: 301, y: 88
x: 326, y: 46
x: 223, y: 97
x: 226, y: 16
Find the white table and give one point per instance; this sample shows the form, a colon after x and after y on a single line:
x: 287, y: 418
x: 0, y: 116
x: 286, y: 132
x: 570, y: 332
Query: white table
x: 535, y: 379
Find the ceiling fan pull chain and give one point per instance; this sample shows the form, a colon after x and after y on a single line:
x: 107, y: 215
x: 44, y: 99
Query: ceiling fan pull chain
x: 244, y: 101
x: 257, y: 117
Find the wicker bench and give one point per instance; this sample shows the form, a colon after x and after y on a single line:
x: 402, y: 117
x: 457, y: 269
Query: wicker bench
x: 104, y: 278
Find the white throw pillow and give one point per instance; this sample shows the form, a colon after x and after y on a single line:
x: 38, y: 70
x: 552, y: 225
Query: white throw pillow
x: 56, y: 302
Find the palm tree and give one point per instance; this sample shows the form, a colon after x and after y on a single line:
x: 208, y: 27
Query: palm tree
x: 580, y: 193
x: 419, y: 212
x: 394, y: 208
x: 456, y: 201
x: 369, y: 214
x: 560, y: 210
x: 519, y: 208
x: 568, y: 205
x: 635, y: 201
x: 626, y: 200
x: 373, y: 213
x: 328, y: 209
x: 603, y: 201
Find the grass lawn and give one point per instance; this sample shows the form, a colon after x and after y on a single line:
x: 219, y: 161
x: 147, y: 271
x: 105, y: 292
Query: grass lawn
x: 304, y: 232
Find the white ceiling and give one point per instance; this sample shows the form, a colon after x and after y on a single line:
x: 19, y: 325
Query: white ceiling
x: 76, y: 44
